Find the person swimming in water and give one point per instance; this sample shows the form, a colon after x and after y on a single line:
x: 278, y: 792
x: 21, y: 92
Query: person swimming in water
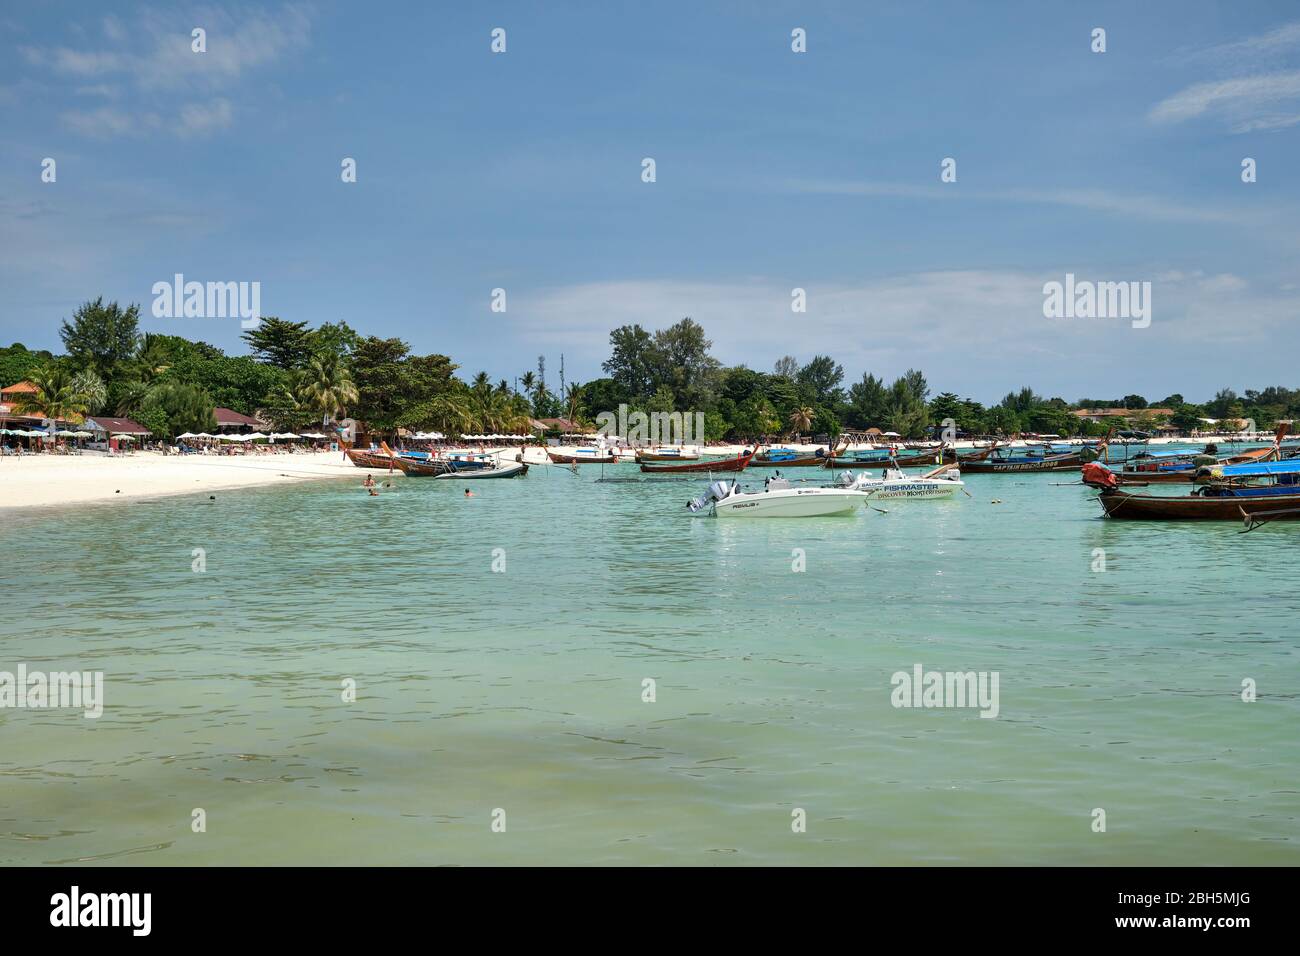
x: 468, y: 493
x: 369, y: 482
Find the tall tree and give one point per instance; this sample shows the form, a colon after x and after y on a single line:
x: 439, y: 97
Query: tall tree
x: 787, y: 367
x: 280, y: 343
x: 100, y: 336
x: 821, y: 380
x: 631, y: 361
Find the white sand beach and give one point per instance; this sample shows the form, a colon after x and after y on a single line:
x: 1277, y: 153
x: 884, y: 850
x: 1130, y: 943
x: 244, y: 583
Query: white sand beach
x: 34, y: 481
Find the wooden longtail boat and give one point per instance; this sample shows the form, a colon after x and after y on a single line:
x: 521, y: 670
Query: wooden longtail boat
x: 370, y: 459
x: 560, y: 459
x: 666, y: 454
x: 1019, y: 465
x: 1231, y: 507
x: 1222, y: 501
x: 418, y: 468
x: 695, y: 467
x: 1180, y: 468
x: 788, y: 458
x: 904, y: 461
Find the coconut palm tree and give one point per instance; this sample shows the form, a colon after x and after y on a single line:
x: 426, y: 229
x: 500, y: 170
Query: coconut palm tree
x: 90, y: 387
x: 801, y: 418
x: 130, y: 397
x: 55, y: 397
x: 328, y: 386
x: 573, y: 399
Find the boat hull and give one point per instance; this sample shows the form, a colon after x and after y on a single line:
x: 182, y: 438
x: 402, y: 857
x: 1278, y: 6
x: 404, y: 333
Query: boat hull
x: 991, y: 466
x: 560, y: 459
x: 803, y: 461
x: 644, y: 456
x: 904, y: 461
x: 794, y: 503
x: 912, y: 489
x: 1127, y: 505
x: 507, y: 469
x: 696, y: 467
x: 367, y: 459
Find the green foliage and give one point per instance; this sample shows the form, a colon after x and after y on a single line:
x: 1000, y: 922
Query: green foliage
x: 286, y: 345
x: 100, y: 337
x: 171, y: 408
x: 17, y: 364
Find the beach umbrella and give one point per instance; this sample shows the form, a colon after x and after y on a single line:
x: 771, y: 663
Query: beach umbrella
x: 187, y: 435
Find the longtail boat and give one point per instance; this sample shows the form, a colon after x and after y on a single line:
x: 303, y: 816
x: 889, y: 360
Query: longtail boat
x: 789, y: 458
x: 370, y: 459
x: 417, y: 467
x: 739, y: 463
x: 666, y: 454
x: 1228, y: 499
x: 1182, y: 466
x: 582, y: 459
x: 1019, y: 464
x: 881, y: 457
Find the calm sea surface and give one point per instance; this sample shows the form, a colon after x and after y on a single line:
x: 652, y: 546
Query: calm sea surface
x: 522, y: 690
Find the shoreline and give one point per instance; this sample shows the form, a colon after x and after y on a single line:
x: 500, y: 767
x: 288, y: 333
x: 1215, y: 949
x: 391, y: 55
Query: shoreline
x: 50, y: 481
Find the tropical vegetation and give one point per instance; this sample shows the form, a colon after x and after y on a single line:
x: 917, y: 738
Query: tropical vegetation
x: 295, y: 377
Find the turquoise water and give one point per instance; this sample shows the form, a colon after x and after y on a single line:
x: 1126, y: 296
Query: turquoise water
x: 522, y: 690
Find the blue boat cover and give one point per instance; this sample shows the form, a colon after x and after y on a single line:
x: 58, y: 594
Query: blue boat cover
x: 1257, y: 469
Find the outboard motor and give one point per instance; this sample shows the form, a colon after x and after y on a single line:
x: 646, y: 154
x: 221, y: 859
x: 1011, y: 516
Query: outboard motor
x: 716, y: 492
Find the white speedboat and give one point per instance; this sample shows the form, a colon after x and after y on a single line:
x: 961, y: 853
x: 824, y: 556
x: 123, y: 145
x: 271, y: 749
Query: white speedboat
x: 893, y: 483
x: 778, y: 499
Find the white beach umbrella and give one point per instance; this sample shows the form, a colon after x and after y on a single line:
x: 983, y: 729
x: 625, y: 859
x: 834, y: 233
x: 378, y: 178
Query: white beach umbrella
x: 187, y: 435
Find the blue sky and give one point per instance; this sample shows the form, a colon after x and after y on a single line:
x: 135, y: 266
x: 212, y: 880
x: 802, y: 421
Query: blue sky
x: 775, y: 170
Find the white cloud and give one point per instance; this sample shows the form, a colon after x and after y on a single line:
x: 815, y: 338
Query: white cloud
x: 1255, y: 91
x: 1241, y: 100
x: 152, y: 56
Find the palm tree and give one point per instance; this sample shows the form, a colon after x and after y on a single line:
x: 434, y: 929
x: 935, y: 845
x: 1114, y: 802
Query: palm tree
x: 574, y: 398
x: 131, y: 396
x: 154, y: 358
x: 91, y: 388
x: 328, y: 387
x: 55, y: 397
x: 801, y: 419
x: 527, y: 382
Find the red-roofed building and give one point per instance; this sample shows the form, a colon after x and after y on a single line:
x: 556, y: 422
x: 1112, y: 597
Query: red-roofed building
x: 9, y: 398
x: 115, y: 426
x: 230, y: 421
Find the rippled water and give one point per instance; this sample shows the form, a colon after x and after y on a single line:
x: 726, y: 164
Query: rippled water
x: 523, y: 691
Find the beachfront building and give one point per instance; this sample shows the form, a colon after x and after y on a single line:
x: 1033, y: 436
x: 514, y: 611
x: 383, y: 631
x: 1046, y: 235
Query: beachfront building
x: 231, y: 422
x: 9, y: 398
x: 117, y: 434
x: 1113, y: 415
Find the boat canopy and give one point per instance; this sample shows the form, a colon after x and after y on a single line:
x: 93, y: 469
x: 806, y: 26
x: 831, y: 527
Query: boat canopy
x: 1258, y: 469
